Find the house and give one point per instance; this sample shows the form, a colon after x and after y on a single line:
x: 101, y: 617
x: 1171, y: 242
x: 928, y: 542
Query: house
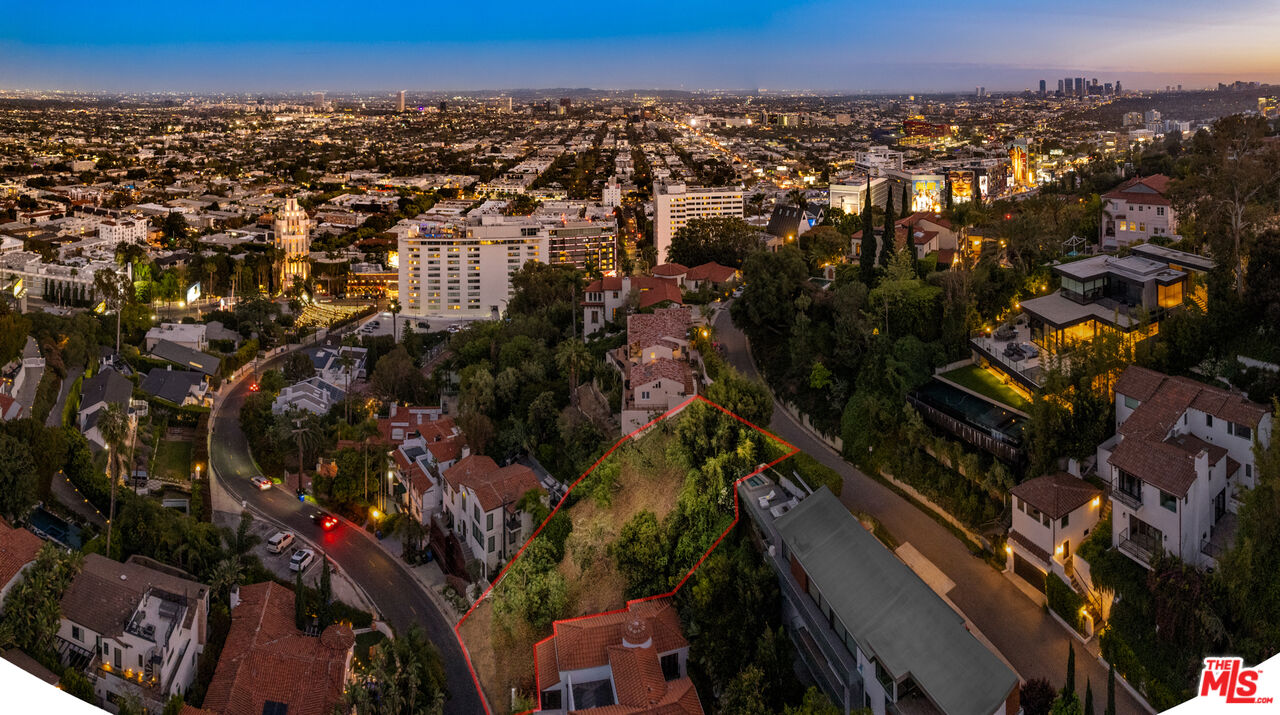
x: 655, y: 364
x: 868, y: 631
x: 268, y: 666
x: 178, y: 387
x: 480, y: 504
x: 19, y: 382
x: 188, y: 335
x: 1052, y: 515
x: 108, y: 387
x: 422, y: 454
x: 186, y: 357
x: 328, y: 363
x: 626, y: 662
x: 136, y: 628
x: 603, y: 298
x: 788, y: 221
x: 313, y: 394
x: 18, y: 548
x: 710, y: 274
x: 928, y: 232
x: 1136, y: 211
x: 1179, y: 465
x: 403, y: 421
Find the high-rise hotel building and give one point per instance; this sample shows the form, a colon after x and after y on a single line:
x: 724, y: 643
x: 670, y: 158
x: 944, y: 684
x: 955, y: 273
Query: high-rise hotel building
x: 675, y: 204
x: 293, y: 240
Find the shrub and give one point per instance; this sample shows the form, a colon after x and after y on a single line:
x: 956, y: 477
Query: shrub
x: 1064, y: 601
x: 815, y: 473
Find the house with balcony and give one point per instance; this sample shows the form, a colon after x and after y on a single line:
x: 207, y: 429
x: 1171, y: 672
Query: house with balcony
x: 1098, y: 295
x: 1136, y: 211
x: 1179, y: 464
x: 868, y: 631
x: 656, y: 365
x: 627, y: 662
x: 481, y: 507
x: 422, y: 455
x: 604, y: 297
x: 136, y: 628
x: 1052, y: 515
x: 313, y: 394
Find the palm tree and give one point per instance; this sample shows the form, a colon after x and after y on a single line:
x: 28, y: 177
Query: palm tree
x: 114, y: 426
x: 394, y: 307
x: 226, y: 575
x: 346, y: 361
x: 115, y: 288
x: 572, y: 357
x: 211, y: 270
x: 797, y: 199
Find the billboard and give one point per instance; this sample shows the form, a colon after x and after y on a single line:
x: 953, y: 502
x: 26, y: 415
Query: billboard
x: 926, y: 193
x: 193, y: 293
x: 961, y: 183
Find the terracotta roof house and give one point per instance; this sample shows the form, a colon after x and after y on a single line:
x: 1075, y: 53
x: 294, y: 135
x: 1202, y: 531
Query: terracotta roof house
x: 480, y: 501
x: 18, y: 549
x: 1052, y: 514
x: 1136, y: 211
x: 1179, y: 464
x: 268, y: 666
x: 630, y: 662
x: 655, y: 364
x: 425, y: 449
x: 604, y: 297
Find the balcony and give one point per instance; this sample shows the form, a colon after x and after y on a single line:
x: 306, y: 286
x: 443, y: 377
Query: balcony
x: 1142, y: 547
x: 1131, y: 500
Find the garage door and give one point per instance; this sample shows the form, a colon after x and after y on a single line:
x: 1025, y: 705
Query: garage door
x: 1029, y: 572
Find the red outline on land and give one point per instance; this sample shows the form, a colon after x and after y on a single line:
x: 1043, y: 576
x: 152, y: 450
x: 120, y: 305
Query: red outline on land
x: 457, y: 628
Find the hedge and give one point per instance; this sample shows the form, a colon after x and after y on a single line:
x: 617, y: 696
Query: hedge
x: 1064, y: 601
x: 815, y: 473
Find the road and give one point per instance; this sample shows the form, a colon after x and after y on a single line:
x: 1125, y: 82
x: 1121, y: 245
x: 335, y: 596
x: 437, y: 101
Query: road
x: 398, y: 596
x: 55, y: 415
x: 1028, y: 638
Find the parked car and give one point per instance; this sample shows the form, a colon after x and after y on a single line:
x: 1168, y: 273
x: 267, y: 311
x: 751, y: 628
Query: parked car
x: 325, y: 520
x: 302, y: 558
x: 260, y: 481
x: 279, y: 541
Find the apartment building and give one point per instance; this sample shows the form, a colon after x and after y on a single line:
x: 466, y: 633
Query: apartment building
x: 123, y: 230
x: 849, y: 195
x: 424, y: 450
x: 136, y: 628
x: 466, y: 274
x: 585, y: 244
x: 626, y: 662
x: 1136, y: 211
x: 869, y: 632
x: 674, y: 205
x: 480, y: 502
x: 1179, y: 465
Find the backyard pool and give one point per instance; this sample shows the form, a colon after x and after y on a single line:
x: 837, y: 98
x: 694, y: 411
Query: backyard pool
x: 46, y: 524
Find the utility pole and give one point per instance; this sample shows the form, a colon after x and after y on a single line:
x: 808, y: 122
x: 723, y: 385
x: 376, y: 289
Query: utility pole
x: 297, y: 432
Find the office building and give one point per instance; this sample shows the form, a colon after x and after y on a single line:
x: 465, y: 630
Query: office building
x: 1042, y: 88
x: 676, y: 204
x: 317, y: 100
x: 585, y: 244
x: 293, y: 240
x: 1079, y: 86
x: 400, y: 101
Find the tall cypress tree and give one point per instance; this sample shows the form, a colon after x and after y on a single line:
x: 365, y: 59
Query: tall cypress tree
x: 1111, y: 691
x: 1070, y: 687
x: 1088, y: 697
x: 887, y: 239
x: 867, y: 259
x: 906, y: 203
x: 977, y: 193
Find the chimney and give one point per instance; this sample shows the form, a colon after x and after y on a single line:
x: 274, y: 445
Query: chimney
x: 235, y: 596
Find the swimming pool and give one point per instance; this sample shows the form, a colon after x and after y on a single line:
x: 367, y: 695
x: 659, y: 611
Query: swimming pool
x: 45, y: 523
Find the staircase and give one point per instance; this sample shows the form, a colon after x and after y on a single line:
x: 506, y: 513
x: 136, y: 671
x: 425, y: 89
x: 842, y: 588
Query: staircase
x: 1199, y: 298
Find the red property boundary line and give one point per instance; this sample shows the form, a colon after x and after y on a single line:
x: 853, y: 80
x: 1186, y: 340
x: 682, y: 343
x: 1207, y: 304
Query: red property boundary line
x: 457, y: 629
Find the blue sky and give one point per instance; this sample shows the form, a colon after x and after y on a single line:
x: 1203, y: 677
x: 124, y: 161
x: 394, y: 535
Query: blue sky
x: 925, y: 45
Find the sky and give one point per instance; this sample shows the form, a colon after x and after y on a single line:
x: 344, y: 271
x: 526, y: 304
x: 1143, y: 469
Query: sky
x: 825, y: 45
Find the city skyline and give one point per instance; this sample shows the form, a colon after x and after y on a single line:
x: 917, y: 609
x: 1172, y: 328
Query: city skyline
x: 811, y: 46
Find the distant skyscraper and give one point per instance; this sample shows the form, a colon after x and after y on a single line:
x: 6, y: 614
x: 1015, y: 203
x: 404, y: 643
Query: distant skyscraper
x: 509, y: 110
x: 1042, y: 88
x: 1066, y: 89
x: 400, y: 101
x: 1060, y: 91
x: 293, y: 240
x: 317, y: 100
x: 1079, y: 86
x: 443, y: 106
x: 1118, y: 89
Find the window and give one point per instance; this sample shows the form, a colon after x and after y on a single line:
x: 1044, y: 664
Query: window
x: 1066, y: 520
x: 75, y: 633
x: 1169, y: 501
x: 670, y: 666
x: 488, y: 525
x: 490, y: 544
x: 1208, y: 420
x: 551, y: 700
x: 1242, y: 431
x: 1131, y: 402
x: 475, y: 510
x: 1159, y: 210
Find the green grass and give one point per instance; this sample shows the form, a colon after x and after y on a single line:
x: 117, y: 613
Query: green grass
x: 984, y: 383
x: 173, y: 459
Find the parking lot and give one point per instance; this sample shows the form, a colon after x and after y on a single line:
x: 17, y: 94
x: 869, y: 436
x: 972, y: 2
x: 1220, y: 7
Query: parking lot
x: 380, y: 324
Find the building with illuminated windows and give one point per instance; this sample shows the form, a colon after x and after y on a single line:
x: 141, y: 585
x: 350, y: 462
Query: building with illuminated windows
x: 467, y: 273
x: 675, y: 204
x: 1136, y: 211
x: 293, y: 240
x: 586, y: 244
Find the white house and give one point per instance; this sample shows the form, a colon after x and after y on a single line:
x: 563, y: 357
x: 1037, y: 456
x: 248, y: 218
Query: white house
x: 312, y: 394
x: 123, y: 230
x: 480, y: 499
x: 1052, y: 514
x: 1136, y: 211
x: 136, y: 628
x: 1179, y: 464
x: 188, y: 335
x: 420, y: 459
x: 604, y: 297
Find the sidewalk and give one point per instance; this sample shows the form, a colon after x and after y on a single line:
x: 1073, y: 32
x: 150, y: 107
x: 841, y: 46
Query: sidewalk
x: 428, y: 575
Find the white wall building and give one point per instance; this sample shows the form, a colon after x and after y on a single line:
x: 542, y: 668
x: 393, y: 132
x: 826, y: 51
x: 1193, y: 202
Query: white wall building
x: 676, y: 204
x: 1136, y: 211
x: 466, y: 275
x: 612, y: 193
x: 293, y: 238
x: 123, y: 230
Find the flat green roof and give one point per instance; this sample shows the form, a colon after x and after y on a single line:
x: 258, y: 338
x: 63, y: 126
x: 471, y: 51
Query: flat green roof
x: 891, y: 612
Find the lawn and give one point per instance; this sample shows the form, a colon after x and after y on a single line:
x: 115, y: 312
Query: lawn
x: 985, y: 383
x: 173, y: 460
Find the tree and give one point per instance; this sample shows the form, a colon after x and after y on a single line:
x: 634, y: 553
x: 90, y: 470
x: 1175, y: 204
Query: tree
x: 324, y: 597
x: 397, y: 379
x: 114, y: 427
x: 772, y: 282
x: 75, y: 683
x: 744, y: 695
x: 403, y: 675
x: 17, y: 478
x: 1111, y: 690
x: 1088, y: 697
x: 822, y: 245
x: 175, y: 225
x: 298, y: 367
x: 1037, y: 697
x: 32, y: 609
x: 572, y: 357
x: 889, y: 238
x: 641, y: 555
x: 115, y: 288
x: 744, y: 397
x: 815, y: 702
x: 906, y: 204
x: 1069, y: 687
x: 1066, y: 705
x: 726, y: 240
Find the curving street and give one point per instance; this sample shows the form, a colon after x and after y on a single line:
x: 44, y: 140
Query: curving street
x: 397, y: 595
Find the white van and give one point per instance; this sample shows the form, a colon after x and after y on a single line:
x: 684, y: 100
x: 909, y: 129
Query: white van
x: 279, y: 542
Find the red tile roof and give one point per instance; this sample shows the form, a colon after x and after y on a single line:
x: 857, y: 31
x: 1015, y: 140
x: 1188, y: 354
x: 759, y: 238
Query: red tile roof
x: 492, y: 485
x: 670, y: 270
x: 18, y: 548
x: 265, y: 658
x: 660, y: 293
x: 1165, y: 398
x: 713, y: 272
x: 1056, y: 494
x: 1158, y: 184
x: 676, y: 370
x: 647, y: 329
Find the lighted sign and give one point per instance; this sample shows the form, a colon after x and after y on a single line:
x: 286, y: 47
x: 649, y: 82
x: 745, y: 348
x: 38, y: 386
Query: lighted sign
x: 961, y: 186
x: 193, y: 293
x: 926, y: 194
